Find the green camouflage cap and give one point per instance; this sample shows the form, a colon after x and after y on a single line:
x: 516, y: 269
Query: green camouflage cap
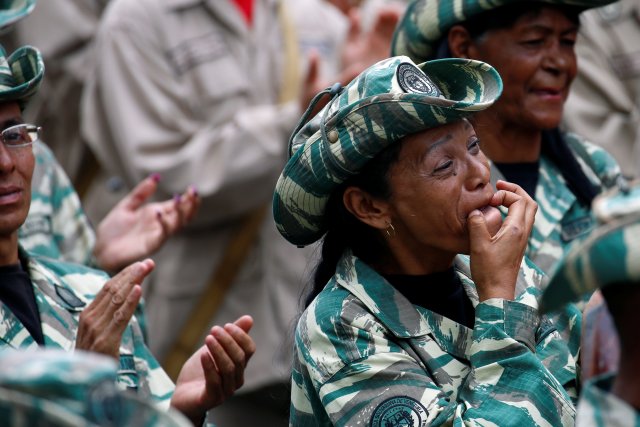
x: 386, y: 102
x: 611, y: 254
x: 12, y: 11
x: 20, y: 74
x: 58, y: 388
x: 425, y: 22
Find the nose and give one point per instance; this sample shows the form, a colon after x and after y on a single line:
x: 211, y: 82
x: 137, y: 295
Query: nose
x: 478, y: 172
x: 558, y: 58
x: 7, y: 162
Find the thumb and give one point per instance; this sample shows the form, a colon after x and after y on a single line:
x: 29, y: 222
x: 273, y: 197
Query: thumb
x: 142, y: 192
x: 355, y: 28
x: 386, y: 21
x: 245, y: 323
x: 313, y: 70
x: 478, y: 232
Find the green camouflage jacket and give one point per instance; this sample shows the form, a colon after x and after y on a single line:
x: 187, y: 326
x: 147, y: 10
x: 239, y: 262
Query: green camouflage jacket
x: 366, y: 356
x: 598, y: 407
x: 56, y: 226
x: 561, y: 218
x: 62, y: 291
x: 56, y: 388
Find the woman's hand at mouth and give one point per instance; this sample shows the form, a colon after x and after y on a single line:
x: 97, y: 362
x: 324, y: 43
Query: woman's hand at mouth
x: 495, y: 260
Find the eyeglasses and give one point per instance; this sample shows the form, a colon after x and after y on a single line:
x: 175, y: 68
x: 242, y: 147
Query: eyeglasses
x: 20, y: 135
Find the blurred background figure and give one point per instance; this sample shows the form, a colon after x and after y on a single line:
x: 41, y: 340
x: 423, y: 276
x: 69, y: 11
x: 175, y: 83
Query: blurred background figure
x: 608, y: 260
x: 63, y: 31
x: 604, y: 102
x: 204, y: 94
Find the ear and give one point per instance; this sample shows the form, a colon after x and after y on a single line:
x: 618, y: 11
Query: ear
x: 366, y: 208
x: 461, y: 44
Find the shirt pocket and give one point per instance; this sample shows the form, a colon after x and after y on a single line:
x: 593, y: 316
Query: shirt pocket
x: 207, y: 64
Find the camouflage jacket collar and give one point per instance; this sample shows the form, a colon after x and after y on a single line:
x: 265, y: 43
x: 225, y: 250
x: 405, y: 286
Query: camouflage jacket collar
x: 400, y: 317
x: 57, y: 303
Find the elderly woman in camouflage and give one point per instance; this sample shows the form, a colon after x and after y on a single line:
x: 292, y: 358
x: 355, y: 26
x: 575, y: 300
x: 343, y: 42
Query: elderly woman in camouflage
x: 45, y: 302
x: 531, y: 44
x: 399, y: 328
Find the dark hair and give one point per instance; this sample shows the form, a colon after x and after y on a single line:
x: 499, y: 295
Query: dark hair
x: 347, y: 232
x: 500, y: 18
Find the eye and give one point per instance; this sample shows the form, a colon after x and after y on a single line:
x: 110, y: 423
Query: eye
x: 443, y: 166
x: 536, y: 42
x: 13, y: 136
x: 568, y: 41
x: 474, y: 146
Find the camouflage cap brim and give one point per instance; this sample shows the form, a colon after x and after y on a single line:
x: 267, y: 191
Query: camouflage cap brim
x: 609, y: 255
x: 425, y: 22
x: 11, y: 11
x: 20, y: 74
x: 390, y: 100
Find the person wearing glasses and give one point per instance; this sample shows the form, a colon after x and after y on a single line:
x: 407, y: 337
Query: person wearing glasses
x: 48, y: 303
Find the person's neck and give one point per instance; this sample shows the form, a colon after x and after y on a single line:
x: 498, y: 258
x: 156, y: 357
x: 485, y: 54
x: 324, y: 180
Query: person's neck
x: 505, y: 143
x: 9, y: 249
x: 627, y: 383
x: 407, y: 261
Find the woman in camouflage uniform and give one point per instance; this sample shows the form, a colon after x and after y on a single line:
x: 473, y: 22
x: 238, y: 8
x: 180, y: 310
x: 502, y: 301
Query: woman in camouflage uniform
x: 531, y: 44
x: 399, y: 328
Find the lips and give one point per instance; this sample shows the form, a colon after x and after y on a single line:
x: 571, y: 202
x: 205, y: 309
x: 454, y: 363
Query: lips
x: 9, y: 195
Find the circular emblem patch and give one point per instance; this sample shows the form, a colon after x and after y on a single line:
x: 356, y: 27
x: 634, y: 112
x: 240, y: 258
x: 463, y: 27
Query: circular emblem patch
x: 412, y: 80
x: 399, y: 412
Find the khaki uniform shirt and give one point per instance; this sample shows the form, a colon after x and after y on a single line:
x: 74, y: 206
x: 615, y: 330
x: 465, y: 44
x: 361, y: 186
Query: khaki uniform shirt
x: 604, y: 104
x: 186, y: 89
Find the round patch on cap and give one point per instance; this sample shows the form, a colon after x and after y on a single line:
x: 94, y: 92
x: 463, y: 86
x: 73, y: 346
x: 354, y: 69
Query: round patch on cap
x: 399, y: 411
x: 413, y: 80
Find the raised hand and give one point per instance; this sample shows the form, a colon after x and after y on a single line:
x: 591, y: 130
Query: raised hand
x: 214, y: 372
x: 135, y: 229
x: 103, y: 322
x: 496, y: 260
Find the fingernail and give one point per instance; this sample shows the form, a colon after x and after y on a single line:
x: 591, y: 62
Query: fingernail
x: 177, y: 198
x: 158, y: 214
x: 474, y: 212
x: 194, y: 190
x: 155, y: 176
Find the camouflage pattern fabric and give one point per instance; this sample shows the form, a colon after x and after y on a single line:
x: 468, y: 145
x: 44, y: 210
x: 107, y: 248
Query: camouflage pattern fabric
x: 56, y: 226
x: 387, y: 101
x: 20, y: 74
x: 599, y: 407
x: 367, y: 356
x: 561, y: 219
x: 425, y: 22
x: 56, y: 388
x: 62, y: 291
x: 609, y: 255
x: 12, y: 11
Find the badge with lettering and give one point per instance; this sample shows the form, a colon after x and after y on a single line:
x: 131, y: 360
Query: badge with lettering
x: 399, y: 412
x: 413, y: 80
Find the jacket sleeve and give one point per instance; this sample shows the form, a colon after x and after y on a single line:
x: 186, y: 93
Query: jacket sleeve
x: 57, y: 226
x: 148, y: 117
x: 504, y: 382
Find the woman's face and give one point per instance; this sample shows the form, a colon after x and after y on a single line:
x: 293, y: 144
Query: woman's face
x: 440, y: 177
x: 537, y: 62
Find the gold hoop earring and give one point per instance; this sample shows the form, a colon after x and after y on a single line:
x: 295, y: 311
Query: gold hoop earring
x: 390, y: 226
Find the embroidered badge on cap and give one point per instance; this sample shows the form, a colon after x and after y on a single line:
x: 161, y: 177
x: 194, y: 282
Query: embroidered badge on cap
x: 412, y: 80
x: 399, y: 411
